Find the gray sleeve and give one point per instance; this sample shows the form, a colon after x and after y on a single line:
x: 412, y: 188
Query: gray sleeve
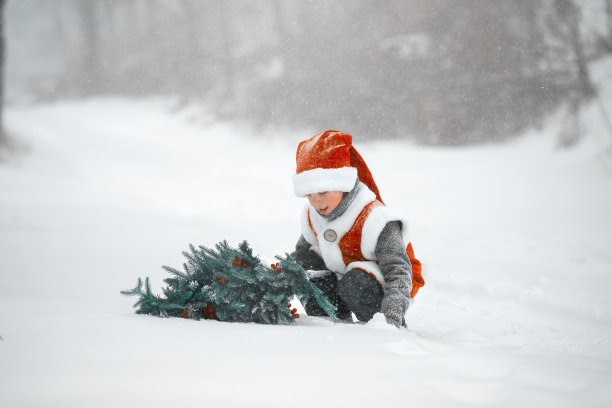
x: 393, y: 260
x: 307, y: 258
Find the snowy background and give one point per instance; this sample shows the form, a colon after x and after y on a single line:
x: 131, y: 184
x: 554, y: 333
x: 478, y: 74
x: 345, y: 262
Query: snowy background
x: 515, y: 240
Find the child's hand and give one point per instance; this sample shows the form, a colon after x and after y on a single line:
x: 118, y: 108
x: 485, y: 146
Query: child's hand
x: 394, y: 306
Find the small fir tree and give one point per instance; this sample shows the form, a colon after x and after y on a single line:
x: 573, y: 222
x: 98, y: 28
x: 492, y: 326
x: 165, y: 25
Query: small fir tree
x: 232, y: 285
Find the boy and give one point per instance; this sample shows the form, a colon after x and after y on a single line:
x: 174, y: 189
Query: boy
x: 352, y: 245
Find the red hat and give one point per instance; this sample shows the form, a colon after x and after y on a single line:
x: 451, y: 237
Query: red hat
x: 329, y: 162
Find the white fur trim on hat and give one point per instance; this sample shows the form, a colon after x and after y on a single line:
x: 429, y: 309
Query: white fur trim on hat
x: 320, y: 180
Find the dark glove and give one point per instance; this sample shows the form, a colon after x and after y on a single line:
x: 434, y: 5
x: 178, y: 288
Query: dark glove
x: 394, y: 307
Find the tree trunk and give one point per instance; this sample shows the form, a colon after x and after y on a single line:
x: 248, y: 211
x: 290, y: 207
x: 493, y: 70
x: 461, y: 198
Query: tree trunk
x: 2, y: 135
x: 571, y: 131
x: 584, y: 79
x: 583, y: 88
x: 609, y: 23
x: 227, y: 62
x: 90, y: 63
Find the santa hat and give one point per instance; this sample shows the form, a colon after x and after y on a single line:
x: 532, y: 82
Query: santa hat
x: 329, y: 162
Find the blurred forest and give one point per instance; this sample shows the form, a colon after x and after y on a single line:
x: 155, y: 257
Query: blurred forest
x: 434, y: 71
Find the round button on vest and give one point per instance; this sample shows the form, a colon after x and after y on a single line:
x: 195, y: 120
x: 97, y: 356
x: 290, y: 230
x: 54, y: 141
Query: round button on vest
x: 330, y: 235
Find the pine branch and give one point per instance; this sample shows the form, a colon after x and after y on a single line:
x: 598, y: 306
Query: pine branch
x: 136, y: 291
x: 230, y: 284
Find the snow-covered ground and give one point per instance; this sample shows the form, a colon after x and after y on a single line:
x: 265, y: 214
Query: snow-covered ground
x: 516, y: 242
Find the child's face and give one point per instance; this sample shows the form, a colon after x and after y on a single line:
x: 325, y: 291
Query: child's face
x: 325, y: 202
